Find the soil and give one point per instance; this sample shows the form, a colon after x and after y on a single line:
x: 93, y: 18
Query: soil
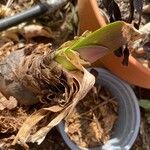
x: 91, y: 123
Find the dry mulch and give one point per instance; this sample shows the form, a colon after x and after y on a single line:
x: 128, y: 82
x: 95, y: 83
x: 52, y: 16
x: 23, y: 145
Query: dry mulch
x: 92, y: 122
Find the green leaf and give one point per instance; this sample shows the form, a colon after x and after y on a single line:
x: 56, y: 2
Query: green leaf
x: 108, y: 38
x: 62, y: 59
x: 145, y: 104
x: 112, y: 36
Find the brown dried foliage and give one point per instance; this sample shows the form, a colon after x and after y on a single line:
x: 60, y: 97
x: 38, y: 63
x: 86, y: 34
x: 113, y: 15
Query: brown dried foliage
x: 92, y: 121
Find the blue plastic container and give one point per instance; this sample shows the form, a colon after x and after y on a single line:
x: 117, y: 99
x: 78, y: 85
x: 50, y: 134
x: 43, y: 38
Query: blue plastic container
x: 128, y: 123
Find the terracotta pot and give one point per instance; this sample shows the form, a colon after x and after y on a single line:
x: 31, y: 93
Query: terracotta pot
x: 91, y: 19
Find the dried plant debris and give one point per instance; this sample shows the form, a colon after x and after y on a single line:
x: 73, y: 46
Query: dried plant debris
x: 26, y: 32
x: 143, y: 141
x: 146, y: 9
x: 128, y: 12
x: 60, y: 26
x: 11, y: 121
x: 142, y: 47
x: 56, y: 113
x: 92, y: 121
x: 29, y: 75
x: 5, y: 141
x: 21, y: 39
x: 9, y: 104
x: 63, y: 22
x: 5, y: 9
x: 131, y: 11
x: 42, y: 80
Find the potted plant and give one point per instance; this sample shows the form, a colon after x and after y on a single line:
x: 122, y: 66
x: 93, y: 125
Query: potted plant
x: 135, y: 73
x: 30, y: 75
x: 53, y: 82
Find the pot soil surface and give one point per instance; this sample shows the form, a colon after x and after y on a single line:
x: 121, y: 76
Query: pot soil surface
x: 91, y: 124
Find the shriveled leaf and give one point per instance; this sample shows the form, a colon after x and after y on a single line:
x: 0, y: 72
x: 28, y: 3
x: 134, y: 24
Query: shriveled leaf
x: 86, y: 84
x: 55, y: 108
x: 111, y: 37
x: 9, y: 104
x: 25, y: 130
x: 40, y: 135
x: 5, y: 11
x: 34, y: 30
x: 145, y: 104
x: 85, y: 81
x: 27, y: 31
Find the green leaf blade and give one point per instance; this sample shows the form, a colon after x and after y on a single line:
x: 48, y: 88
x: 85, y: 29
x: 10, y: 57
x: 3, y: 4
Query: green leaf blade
x: 112, y: 36
x: 145, y: 104
x: 108, y: 38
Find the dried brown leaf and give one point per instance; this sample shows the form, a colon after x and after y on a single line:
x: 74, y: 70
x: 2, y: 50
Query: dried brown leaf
x: 11, y: 121
x: 55, y: 108
x: 87, y: 125
x: 9, y: 104
x: 5, y: 11
x: 40, y: 135
x: 11, y: 34
x: 23, y: 135
x: 34, y: 30
x: 25, y: 130
x: 146, y: 9
x: 86, y: 84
